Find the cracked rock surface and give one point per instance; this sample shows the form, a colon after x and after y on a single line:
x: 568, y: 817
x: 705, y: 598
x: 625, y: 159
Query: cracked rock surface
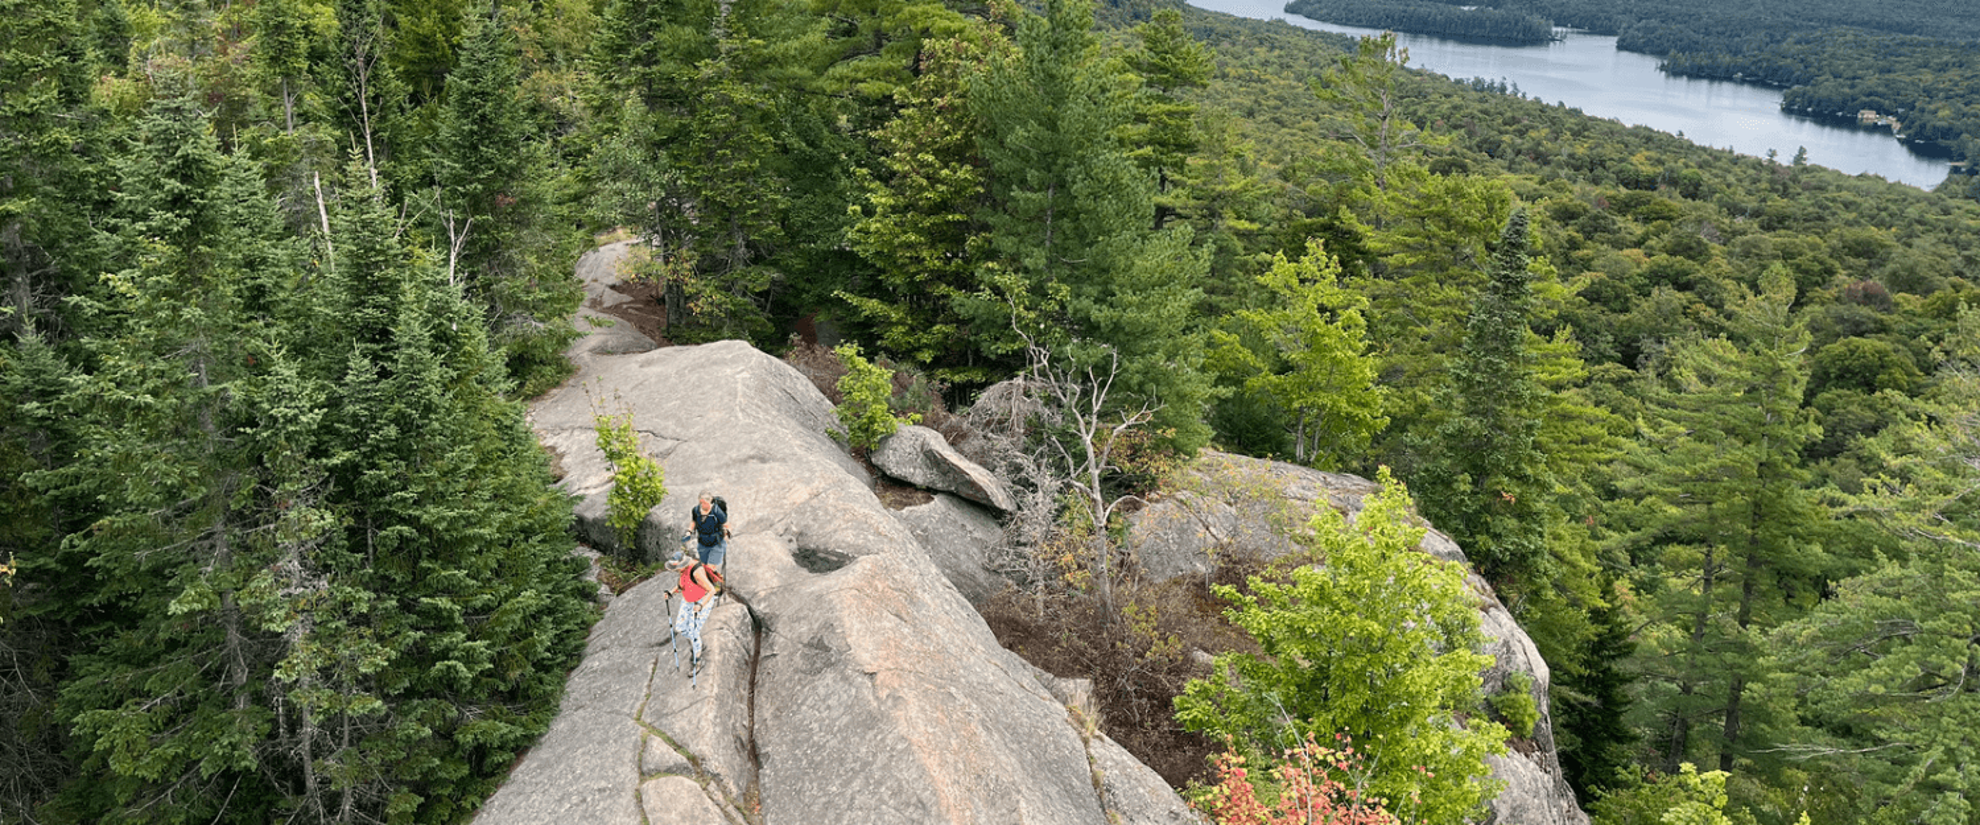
x: 845, y: 680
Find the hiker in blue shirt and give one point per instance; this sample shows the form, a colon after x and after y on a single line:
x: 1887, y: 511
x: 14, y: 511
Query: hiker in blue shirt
x: 711, y: 530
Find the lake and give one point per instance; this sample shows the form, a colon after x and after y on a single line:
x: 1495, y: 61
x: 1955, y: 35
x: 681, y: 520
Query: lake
x: 1586, y: 72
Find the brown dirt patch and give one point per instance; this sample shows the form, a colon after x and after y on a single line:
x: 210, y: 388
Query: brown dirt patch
x: 645, y: 311
x: 1138, y: 662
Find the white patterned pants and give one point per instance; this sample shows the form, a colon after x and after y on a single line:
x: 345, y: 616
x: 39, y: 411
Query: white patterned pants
x: 689, y: 621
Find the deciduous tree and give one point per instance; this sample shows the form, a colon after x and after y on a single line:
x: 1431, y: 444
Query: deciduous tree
x: 1378, y: 640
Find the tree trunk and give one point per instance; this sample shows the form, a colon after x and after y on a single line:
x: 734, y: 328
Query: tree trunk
x: 1681, y: 722
x: 1737, y: 689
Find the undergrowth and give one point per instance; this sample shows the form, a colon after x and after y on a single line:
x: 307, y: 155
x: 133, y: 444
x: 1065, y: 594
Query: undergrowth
x: 622, y: 574
x: 1138, y: 660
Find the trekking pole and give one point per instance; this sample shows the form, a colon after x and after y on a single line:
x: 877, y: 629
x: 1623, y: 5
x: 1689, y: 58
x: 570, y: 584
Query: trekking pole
x: 673, y: 623
x: 673, y: 631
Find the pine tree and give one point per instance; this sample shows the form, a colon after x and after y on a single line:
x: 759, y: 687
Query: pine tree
x: 1164, y: 133
x: 1727, y: 542
x: 1885, y: 671
x: 876, y: 48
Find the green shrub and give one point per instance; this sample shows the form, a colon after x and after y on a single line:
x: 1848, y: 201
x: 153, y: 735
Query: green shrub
x: 638, y: 482
x: 1515, y: 705
x: 866, y: 387
x: 1381, y: 643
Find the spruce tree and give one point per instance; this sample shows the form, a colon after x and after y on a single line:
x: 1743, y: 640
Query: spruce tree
x: 452, y: 606
x: 53, y: 137
x: 1488, y: 483
x: 367, y: 98
x: 168, y: 700
x: 699, y: 147
x: 493, y: 208
x: 51, y: 181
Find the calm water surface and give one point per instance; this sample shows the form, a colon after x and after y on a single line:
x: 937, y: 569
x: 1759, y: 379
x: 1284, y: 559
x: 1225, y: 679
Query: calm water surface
x: 1588, y: 73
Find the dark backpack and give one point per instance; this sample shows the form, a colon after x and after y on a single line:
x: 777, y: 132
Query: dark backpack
x: 694, y: 514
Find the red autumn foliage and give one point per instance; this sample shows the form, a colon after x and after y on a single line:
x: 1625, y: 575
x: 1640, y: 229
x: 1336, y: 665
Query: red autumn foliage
x: 1313, y: 784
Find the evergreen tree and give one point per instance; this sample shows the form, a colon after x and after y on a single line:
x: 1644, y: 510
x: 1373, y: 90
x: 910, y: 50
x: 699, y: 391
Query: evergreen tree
x: 647, y: 50
x: 368, y: 99
x: 287, y: 33
x: 1726, y: 544
x: 918, y: 225
x: 875, y: 48
x: 1164, y: 134
x: 451, y: 608
x: 51, y: 136
x: 490, y: 179
x: 168, y: 702
x: 702, y: 144
x: 1071, y: 256
x: 1884, y: 673
x: 1488, y: 483
x: 1591, y: 704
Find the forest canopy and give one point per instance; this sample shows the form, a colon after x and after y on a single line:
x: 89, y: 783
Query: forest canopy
x: 277, y: 277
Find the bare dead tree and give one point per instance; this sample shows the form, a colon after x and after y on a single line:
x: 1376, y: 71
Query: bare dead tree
x: 1054, y: 432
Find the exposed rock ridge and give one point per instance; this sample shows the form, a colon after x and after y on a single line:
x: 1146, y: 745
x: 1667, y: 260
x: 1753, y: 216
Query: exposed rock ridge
x: 846, y: 680
x: 1235, y: 504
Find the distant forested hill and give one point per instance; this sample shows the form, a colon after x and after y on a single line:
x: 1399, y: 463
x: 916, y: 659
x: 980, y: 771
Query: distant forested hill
x: 1428, y: 17
x: 1914, y: 59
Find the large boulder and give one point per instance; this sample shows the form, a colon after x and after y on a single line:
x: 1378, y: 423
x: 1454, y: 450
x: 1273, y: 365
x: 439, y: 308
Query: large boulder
x: 1230, y: 505
x: 1235, y: 505
x: 723, y: 418
x: 959, y: 537
x: 922, y: 457
x: 845, y: 679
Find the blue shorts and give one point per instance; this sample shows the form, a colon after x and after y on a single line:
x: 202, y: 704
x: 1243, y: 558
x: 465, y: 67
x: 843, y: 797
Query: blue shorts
x: 712, y: 554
